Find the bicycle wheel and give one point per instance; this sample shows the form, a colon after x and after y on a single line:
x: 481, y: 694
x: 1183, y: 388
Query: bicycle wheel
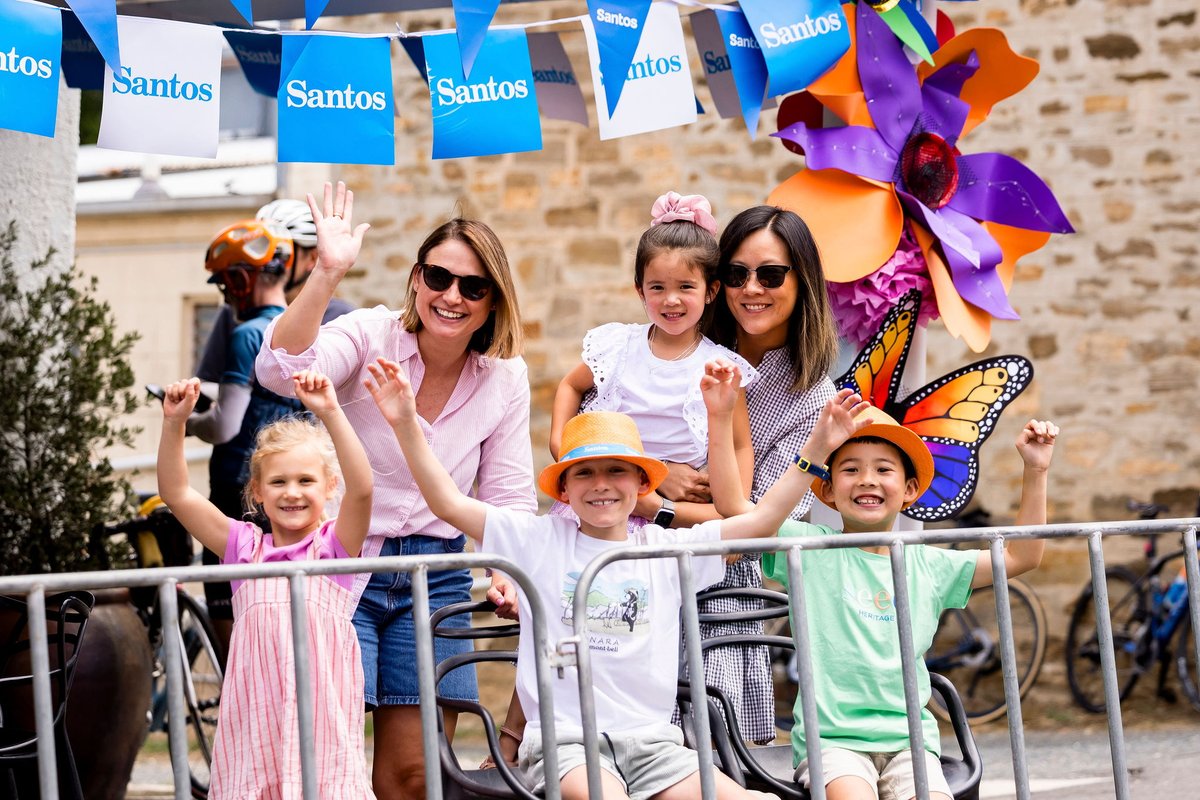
x: 1128, y: 608
x: 1185, y: 662
x: 966, y: 650
x: 202, y: 688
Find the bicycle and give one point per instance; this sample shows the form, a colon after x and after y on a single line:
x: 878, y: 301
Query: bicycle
x: 158, y: 539
x: 966, y: 647
x: 1146, y: 613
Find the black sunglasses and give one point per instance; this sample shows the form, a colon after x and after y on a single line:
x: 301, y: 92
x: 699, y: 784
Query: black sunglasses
x: 769, y: 276
x: 438, y: 279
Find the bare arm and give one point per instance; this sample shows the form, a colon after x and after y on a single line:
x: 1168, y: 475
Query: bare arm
x: 394, y: 396
x: 354, y: 517
x: 567, y: 398
x: 1036, y: 445
x: 202, y: 519
x: 338, y: 243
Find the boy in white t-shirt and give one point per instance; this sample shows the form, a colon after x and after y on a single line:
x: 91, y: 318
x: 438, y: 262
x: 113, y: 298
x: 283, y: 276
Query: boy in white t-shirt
x: 633, y: 607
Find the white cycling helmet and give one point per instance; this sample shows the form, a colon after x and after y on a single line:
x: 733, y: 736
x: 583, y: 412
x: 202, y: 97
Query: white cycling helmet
x: 293, y: 215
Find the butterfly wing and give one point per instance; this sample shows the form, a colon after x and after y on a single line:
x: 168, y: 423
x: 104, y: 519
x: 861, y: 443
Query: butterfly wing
x: 876, y: 371
x: 955, y: 415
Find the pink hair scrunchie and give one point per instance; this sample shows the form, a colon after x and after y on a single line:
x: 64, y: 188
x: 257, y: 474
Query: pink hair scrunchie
x: 693, y: 208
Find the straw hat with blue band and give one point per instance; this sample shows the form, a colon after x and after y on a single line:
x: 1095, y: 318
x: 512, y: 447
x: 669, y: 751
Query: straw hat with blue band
x: 884, y: 427
x: 601, y: 434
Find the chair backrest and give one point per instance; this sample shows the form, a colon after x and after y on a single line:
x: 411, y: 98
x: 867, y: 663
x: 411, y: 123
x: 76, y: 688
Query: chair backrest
x: 770, y: 767
x: 460, y: 783
x: 66, y: 621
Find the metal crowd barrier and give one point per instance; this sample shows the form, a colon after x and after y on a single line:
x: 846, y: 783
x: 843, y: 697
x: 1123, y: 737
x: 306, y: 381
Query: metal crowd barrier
x: 557, y: 656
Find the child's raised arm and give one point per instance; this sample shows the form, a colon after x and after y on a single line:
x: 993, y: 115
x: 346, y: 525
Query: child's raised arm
x: 719, y: 386
x: 394, y: 396
x: 567, y: 398
x: 1035, y: 443
x: 316, y: 392
x: 196, y: 512
x: 838, y: 421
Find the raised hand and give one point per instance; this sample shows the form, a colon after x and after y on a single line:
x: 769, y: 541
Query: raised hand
x: 839, y: 420
x: 315, y: 391
x: 180, y: 398
x: 720, y: 385
x: 391, y: 391
x: 1035, y: 443
x: 338, y: 241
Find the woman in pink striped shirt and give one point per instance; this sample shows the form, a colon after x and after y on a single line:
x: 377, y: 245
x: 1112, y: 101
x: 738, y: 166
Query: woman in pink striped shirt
x: 459, y: 338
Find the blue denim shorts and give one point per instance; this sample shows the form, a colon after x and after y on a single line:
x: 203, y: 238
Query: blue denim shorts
x: 384, y: 622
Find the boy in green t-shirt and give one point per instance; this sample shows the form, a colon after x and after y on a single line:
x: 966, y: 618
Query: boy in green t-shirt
x: 855, y: 649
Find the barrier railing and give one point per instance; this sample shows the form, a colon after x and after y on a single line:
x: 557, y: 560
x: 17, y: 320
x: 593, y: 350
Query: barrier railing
x: 559, y: 656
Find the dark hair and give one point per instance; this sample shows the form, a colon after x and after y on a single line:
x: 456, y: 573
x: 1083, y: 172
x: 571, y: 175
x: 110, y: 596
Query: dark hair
x: 501, y: 336
x: 910, y: 471
x: 812, y: 336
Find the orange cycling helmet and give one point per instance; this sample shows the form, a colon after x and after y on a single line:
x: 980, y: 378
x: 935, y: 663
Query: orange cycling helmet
x: 241, y: 251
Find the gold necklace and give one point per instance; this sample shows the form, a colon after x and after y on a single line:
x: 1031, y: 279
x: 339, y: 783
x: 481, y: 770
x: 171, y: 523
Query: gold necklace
x: 691, y: 348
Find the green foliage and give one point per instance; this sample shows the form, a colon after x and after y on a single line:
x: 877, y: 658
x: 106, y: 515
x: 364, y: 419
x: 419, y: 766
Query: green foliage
x: 67, y: 380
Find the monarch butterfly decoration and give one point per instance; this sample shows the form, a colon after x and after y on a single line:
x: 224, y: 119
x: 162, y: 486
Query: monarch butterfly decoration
x: 954, y: 414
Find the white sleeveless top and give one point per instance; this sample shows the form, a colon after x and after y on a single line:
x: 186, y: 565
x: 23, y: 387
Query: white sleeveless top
x: 662, y: 396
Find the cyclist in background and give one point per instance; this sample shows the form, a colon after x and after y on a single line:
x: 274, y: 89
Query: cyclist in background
x: 250, y: 261
x: 294, y: 216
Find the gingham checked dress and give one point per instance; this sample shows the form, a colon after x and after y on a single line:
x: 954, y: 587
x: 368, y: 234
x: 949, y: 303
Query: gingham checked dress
x: 257, y: 752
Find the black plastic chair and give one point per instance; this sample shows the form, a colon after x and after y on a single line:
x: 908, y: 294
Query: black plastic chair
x: 769, y: 768
x: 458, y: 782
x: 66, y: 617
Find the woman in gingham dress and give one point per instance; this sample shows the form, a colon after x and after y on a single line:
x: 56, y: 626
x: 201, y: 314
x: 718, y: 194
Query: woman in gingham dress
x: 774, y: 312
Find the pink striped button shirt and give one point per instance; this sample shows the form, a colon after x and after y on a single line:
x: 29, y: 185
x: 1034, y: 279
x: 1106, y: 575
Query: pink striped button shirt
x: 481, y: 436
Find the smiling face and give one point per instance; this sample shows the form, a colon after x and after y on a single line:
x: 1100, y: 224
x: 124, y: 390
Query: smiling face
x: 762, y: 314
x: 447, y: 314
x: 293, y: 487
x: 675, y: 294
x: 603, y: 492
x: 869, y: 486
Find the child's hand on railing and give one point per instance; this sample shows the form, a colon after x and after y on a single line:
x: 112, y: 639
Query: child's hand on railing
x: 179, y: 399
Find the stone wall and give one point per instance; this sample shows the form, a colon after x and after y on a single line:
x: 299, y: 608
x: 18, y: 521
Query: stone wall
x: 1109, y: 123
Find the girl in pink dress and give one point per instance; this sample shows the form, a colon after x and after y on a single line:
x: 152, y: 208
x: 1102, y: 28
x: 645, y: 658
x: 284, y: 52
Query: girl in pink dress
x: 293, y: 474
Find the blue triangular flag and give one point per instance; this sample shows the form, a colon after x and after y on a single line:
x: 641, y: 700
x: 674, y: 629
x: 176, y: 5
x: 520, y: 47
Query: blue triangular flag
x: 472, y: 18
x: 313, y: 9
x: 99, y: 19
x: 244, y: 8
x: 619, y: 25
x: 415, y: 49
x: 749, y: 66
x: 82, y: 64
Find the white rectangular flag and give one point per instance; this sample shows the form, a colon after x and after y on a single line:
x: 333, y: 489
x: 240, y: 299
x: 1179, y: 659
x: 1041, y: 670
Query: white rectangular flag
x: 167, y: 98
x: 658, y: 90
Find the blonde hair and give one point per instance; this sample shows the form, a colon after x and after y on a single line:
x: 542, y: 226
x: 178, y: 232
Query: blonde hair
x: 501, y: 336
x: 283, y: 436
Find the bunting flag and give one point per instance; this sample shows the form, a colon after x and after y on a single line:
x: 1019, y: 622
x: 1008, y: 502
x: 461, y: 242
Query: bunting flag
x: 494, y: 112
x: 335, y: 100
x: 800, y: 39
x: 244, y: 8
x: 471, y: 19
x: 718, y: 72
x: 313, y: 9
x: 414, y: 48
x: 749, y: 66
x: 30, y: 53
x: 616, y: 29
x: 558, y: 93
x: 166, y: 98
x: 259, y: 56
x: 99, y: 19
x: 658, y: 88
x: 82, y: 64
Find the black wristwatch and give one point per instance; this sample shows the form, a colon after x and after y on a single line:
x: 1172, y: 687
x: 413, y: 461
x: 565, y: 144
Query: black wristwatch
x: 666, y: 514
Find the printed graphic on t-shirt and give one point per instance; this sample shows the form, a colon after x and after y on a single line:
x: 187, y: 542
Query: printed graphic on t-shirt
x: 616, y: 611
x: 872, y: 605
